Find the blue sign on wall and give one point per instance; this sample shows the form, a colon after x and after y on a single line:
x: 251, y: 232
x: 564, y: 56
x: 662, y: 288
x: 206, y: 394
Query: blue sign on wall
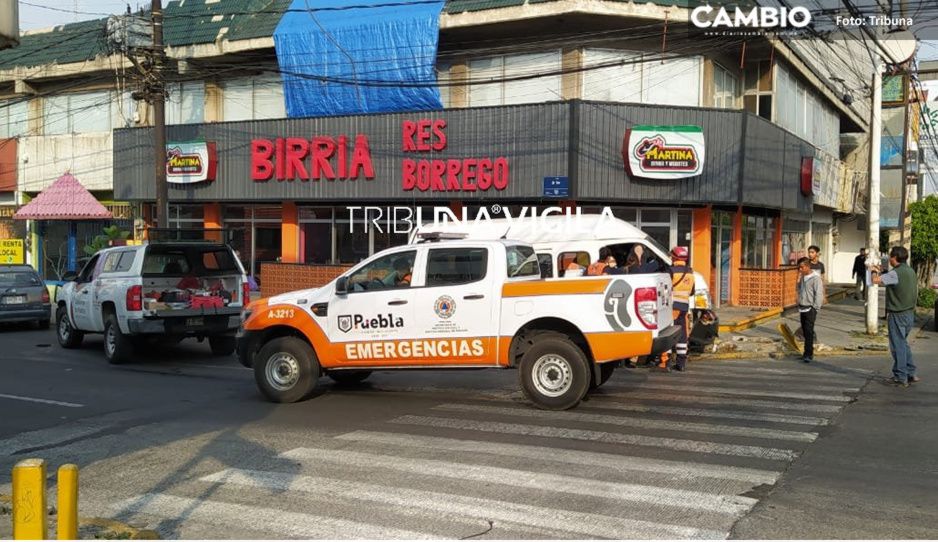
x: 556, y: 187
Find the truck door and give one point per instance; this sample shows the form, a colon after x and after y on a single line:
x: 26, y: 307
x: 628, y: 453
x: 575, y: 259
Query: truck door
x: 367, y: 324
x: 457, y: 307
x: 83, y: 296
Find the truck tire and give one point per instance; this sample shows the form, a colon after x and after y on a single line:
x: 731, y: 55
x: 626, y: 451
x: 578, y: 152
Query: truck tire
x: 68, y: 336
x: 554, y: 372
x: 286, y: 370
x: 348, y: 378
x: 222, y: 345
x: 117, y: 346
x: 605, y: 373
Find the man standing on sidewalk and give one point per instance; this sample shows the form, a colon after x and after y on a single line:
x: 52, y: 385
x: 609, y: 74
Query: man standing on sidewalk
x: 810, y: 297
x: 859, y: 275
x: 901, y: 294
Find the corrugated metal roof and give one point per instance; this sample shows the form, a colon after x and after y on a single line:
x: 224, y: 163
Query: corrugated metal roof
x: 192, y: 22
x: 65, y: 199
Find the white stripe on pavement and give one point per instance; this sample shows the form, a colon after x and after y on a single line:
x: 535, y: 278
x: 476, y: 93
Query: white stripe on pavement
x: 445, y: 505
x: 38, y: 400
x: 734, y: 367
x: 615, y: 462
x: 742, y: 381
x: 719, y: 401
x: 690, y: 387
x: 641, y: 423
x: 557, y: 483
x: 705, y: 413
x: 277, y: 523
x: 601, y: 436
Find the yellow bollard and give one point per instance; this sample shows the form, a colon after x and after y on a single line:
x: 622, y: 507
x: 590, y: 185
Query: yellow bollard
x: 29, y: 500
x: 67, y: 484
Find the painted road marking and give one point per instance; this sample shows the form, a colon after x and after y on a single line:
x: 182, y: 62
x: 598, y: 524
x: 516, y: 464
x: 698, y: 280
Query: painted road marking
x: 742, y: 381
x: 614, y: 462
x: 445, y: 505
x: 38, y: 400
x: 557, y: 483
x: 718, y: 401
x: 601, y: 436
x: 268, y: 520
x: 705, y: 413
x: 690, y: 387
x: 641, y: 423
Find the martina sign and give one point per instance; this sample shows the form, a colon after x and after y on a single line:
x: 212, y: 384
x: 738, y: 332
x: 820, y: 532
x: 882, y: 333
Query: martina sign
x: 663, y: 152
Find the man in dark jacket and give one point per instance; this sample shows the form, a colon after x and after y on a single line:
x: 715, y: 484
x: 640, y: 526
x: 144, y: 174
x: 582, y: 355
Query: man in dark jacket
x: 901, y: 295
x: 859, y: 275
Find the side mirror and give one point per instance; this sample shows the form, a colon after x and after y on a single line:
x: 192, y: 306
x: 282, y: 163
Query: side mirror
x: 70, y: 276
x: 341, y: 286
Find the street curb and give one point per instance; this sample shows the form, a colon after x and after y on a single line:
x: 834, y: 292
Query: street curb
x: 107, y: 528
x: 747, y: 323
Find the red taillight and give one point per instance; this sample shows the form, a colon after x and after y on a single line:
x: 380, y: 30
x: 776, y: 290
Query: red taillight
x: 245, y: 293
x: 135, y: 298
x: 45, y: 295
x: 646, y: 307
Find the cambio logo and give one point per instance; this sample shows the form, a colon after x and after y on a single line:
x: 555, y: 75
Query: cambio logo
x: 756, y: 17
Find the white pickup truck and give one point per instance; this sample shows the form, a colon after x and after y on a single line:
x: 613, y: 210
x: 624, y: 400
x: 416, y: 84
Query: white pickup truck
x: 158, y: 291
x: 457, y: 305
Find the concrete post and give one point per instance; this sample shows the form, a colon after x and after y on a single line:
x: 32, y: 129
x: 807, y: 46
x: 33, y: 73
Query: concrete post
x: 67, y: 503
x: 29, y: 500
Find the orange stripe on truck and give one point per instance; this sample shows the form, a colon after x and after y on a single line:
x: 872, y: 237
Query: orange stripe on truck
x: 555, y: 287
x: 617, y: 345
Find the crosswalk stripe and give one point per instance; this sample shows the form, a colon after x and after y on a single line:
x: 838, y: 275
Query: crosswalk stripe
x: 734, y: 367
x: 761, y: 381
x: 690, y: 387
x: 268, y: 520
x: 707, y: 413
x: 719, y: 401
x: 601, y: 436
x: 558, y: 483
x: 615, y: 462
x: 641, y: 423
x: 579, y: 524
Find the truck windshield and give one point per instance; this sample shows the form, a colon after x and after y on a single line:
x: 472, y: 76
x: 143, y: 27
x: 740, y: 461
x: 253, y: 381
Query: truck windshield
x: 522, y: 261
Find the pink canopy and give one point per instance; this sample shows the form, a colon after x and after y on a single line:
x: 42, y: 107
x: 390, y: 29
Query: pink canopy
x: 65, y: 199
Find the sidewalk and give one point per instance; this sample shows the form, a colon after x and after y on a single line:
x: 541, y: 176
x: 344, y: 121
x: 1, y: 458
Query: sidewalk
x: 840, y: 328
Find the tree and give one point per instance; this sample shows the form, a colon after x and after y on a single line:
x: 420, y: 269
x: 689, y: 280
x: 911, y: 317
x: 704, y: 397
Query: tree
x: 924, y: 237
x: 110, y: 234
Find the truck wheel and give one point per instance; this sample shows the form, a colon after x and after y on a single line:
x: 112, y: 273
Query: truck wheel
x: 286, y: 370
x: 222, y: 345
x: 117, y: 346
x: 348, y: 378
x: 68, y: 336
x: 605, y: 373
x: 554, y: 372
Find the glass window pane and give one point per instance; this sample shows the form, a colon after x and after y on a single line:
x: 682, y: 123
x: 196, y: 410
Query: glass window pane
x: 267, y: 244
x: 661, y: 234
x: 192, y: 103
x: 538, y: 89
x: 450, y: 266
x: 351, y: 247
x: 388, y: 239
x: 314, y: 213
x: 268, y: 98
x: 613, y: 83
x: 387, y: 272
x: 522, y: 261
x: 674, y: 82
x: 268, y: 213
x: 55, y: 115
x: 237, y: 100
x: 90, y: 112
x: 625, y: 214
x: 488, y: 94
x: 317, y: 242
x: 236, y: 212
x: 14, y: 118
x: 656, y: 215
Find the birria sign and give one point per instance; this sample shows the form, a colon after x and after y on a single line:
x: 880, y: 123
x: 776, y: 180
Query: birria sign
x: 190, y: 162
x: 663, y: 152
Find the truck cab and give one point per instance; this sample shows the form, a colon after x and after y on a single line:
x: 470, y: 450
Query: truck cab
x: 457, y: 304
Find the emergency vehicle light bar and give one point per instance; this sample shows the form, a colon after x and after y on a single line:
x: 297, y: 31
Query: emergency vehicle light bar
x: 432, y: 236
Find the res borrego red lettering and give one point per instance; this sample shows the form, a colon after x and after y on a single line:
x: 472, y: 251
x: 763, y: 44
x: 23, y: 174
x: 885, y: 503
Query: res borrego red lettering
x: 445, y: 175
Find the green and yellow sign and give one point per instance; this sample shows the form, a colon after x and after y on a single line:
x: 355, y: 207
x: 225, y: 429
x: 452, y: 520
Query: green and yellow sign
x: 11, y: 251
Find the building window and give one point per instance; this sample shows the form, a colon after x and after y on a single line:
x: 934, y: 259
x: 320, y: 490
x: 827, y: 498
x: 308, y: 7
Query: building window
x: 759, y: 87
x: 185, y: 103
x: 254, y: 98
x: 725, y: 88
x: 13, y: 117
x: 83, y: 112
x: 255, y: 234
x: 641, y: 78
x: 328, y: 237
x: 506, y: 92
x: 758, y: 233
x: 803, y: 112
x: 443, y: 79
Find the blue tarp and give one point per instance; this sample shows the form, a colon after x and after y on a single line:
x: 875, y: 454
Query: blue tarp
x: 387, y: 47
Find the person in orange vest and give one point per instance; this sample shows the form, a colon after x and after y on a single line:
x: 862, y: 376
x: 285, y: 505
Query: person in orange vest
x: 599, y: 266
x: 682, y: 279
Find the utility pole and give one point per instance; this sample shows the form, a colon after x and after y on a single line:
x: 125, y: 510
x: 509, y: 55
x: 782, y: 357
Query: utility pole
x: 158, y: 96
x: 876, y: 122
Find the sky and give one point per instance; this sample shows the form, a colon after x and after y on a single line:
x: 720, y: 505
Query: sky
x: 33, y: 17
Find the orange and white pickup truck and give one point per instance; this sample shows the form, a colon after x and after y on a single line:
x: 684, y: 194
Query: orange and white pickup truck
x: 457, y: 305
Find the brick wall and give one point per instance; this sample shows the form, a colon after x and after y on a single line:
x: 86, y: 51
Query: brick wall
x: 768, y: 288
x: 278, y: 278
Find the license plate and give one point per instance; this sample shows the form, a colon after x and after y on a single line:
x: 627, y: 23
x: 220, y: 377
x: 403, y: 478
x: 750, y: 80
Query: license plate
x: 14, y: 300
x: 195, y: 322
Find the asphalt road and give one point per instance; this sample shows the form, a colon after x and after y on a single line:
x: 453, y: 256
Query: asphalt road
x: 181, y: 442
